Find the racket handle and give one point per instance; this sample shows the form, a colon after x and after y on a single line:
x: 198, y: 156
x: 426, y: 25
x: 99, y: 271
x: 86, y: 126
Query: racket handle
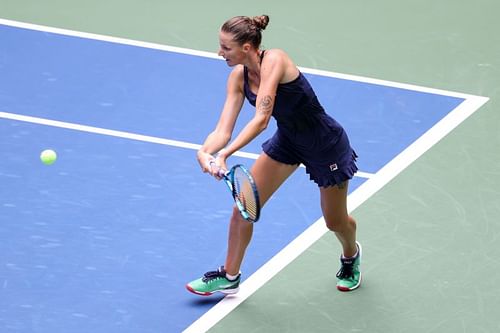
x: 222, y: 173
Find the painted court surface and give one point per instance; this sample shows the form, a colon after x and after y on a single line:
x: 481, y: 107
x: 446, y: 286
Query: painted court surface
x: 105, y: 239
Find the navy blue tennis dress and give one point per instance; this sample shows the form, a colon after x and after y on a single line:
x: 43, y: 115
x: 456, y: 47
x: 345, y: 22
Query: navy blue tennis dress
x: 307, y: 134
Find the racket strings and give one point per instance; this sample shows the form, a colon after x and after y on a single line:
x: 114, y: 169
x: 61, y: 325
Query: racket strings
x: 245, y: 193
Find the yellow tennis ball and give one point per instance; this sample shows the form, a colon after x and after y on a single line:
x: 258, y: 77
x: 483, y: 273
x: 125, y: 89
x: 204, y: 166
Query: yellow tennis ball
x: 48, y: 156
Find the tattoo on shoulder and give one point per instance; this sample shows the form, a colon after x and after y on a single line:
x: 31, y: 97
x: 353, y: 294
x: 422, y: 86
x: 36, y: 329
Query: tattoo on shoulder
x: 266, y: 105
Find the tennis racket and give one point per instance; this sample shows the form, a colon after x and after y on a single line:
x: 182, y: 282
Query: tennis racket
x: 244, y: 191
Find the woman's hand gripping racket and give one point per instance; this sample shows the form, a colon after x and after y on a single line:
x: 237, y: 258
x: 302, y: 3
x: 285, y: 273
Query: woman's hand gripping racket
x: 242, y: 186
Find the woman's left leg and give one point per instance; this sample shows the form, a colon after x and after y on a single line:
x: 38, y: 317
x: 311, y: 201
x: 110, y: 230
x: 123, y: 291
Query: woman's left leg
x: 334, y: 207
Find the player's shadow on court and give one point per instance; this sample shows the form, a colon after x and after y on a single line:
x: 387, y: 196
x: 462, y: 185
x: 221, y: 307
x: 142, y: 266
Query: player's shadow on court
x: 205, y: 301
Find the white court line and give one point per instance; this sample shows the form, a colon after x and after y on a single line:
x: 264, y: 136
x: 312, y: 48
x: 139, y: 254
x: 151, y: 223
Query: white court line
x: 470, y: 104
x: 155, y: 46
x: 128, y: 135
x: 318, y: 229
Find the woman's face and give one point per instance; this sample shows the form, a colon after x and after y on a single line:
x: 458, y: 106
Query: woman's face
x: 230, y: 50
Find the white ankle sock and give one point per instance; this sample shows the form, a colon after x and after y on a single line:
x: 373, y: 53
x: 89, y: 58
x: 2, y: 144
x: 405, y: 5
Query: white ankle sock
x: 353, y: 257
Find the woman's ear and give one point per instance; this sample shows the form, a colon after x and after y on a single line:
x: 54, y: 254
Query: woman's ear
x: 246, y: 47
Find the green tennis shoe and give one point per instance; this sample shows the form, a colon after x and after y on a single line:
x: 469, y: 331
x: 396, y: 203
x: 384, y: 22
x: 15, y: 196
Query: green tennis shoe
x: 214, y: 281
x: 349, y: 275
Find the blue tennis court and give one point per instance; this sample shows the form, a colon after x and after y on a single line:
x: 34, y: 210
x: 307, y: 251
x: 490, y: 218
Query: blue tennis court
x: 105, y: 239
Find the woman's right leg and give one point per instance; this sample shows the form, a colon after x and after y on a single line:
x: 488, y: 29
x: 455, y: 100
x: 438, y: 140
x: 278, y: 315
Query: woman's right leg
x: 268, y: 174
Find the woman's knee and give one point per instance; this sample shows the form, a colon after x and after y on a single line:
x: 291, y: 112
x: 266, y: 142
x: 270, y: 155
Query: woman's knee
x: 237, y: 219
x: 340, y: 223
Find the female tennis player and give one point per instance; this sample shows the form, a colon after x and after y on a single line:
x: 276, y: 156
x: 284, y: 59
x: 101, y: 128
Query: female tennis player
x: 305, y: 134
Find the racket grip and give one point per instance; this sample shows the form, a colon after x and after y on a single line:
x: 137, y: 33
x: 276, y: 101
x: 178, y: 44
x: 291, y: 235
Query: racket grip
x: 223, y: 173
x: 213, y: 163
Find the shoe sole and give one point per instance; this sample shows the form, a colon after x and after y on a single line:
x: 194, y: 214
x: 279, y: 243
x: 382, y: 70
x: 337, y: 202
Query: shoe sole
x: 344, y: 289
x: 208, y: 293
